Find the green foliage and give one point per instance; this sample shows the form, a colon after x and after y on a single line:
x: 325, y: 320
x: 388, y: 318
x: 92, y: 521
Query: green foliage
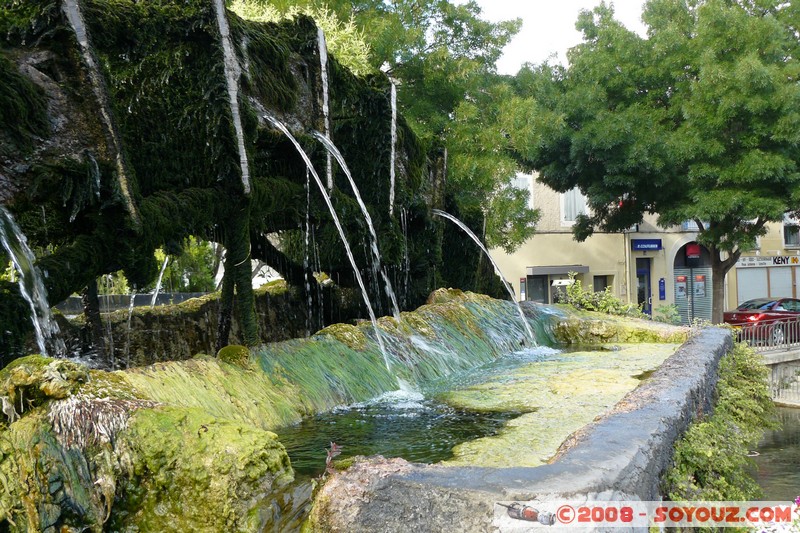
x: 113, y: 283
x: 22, y: 109
x: 191, y: 270
x: 344, y: 39
x: 667, y: 313
x: 603, y: 301
x: 697, y: 122
x: 710, y: 461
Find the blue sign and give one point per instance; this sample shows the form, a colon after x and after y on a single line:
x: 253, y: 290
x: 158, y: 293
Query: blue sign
x: 662, y: 289
x: 646, y: 244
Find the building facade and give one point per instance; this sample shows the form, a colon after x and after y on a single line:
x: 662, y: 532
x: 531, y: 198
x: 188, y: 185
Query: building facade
x: 646, y: 265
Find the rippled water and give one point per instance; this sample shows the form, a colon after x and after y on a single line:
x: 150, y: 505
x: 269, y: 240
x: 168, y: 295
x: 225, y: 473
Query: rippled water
x: 398, y: 424
x: 779, y: 458
x: 405, y: 424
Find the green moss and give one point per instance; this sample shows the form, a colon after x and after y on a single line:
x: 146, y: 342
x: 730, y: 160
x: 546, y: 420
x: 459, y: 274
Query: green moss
x: 554, y: 398
x: 235, y: 355
x: 192, y: 472
x: 346, y: 334
x: 30, y: 381
x: 587, y: 328
x: 710, y: 460
x: 23, y: 107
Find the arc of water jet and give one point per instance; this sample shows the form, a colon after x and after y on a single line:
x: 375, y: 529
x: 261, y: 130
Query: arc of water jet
x: 31, y: 286
x: 277, y: 124
x: 376, y: 256
x: 475, y: 238
x: 158, y: 283
x: 233, y: 72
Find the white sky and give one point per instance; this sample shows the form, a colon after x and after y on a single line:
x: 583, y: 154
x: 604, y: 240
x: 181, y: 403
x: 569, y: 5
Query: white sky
x: 548, y: 27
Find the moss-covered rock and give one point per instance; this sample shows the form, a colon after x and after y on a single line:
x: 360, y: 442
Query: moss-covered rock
x: 30, y: 381
x: 234, y: 354
x: 555, y: 398
x: 192, y: 472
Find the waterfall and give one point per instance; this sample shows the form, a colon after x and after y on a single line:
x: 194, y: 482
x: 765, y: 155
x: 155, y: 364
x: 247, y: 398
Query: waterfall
x: 306, y: 253
x: 233, y: 72
x: 158, y: 283
x: 277, y: 124
x: 31, y: 286
x: 393, y: 99
x: 72, y: 11
x: 406, y: 258
x: 376, y: 255
x: 475, y: 238
x: 128, y: 332
x: 323, y: 68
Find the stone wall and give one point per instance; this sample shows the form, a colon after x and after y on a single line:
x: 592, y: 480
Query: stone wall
x: 178, y: 332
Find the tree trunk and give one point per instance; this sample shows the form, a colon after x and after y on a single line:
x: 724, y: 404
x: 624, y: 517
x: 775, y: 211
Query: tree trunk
x: 225, y: 310
x: 719, y: 269
x: 237, y: 279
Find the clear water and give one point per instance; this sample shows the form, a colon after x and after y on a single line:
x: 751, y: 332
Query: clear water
x: 778, y: 458
x: 398, y: 424
x: 407, y: 424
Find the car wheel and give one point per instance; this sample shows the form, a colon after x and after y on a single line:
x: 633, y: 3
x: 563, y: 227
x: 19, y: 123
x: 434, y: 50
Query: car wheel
x: 776, y: 336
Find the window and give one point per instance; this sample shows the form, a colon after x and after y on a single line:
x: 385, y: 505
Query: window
x: 601, y: 282
x: 573, y: 203
x: 791, y: 232
x: 523, y: 182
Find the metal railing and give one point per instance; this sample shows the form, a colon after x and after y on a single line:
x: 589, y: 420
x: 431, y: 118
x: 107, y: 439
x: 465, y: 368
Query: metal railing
x: 771, y: 335
x: 784, y: 382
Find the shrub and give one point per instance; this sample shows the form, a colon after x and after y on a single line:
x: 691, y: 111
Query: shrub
x: 603, y: 301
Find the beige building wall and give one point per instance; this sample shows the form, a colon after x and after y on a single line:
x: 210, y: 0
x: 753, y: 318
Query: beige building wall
x: 771, y: 270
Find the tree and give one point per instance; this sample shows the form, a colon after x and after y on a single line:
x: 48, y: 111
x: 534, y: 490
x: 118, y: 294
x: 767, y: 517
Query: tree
x: 697, y: 122
x: 443, y: 57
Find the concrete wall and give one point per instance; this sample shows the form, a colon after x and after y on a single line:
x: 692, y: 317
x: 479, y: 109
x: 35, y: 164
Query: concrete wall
x: 620, y: 457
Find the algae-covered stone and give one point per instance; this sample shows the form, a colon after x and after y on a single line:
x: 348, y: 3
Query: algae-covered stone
x: 31, y: 380
x: 235, y: 354
x: 346, y: 334
x: 193, y: 472
x: 554, y: 398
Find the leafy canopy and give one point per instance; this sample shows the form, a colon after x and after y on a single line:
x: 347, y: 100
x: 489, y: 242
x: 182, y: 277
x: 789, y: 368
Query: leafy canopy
x: 442, y: 56
x: 698, y: 121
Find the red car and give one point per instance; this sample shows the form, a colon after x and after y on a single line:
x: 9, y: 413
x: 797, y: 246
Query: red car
x: 771, y: 320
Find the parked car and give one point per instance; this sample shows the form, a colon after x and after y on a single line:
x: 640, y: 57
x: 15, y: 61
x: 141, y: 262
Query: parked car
x: 773, y: 321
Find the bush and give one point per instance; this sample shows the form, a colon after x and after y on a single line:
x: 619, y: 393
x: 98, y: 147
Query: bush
x: 603, y: 302
x: 710, y: 461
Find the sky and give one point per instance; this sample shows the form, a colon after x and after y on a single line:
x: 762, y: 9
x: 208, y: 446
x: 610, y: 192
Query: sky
x: 548, y: 27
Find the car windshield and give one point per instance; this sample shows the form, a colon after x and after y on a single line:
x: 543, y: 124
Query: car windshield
x: 760, y: 303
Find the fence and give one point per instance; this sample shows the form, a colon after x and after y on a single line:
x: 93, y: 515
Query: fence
x: 778, y: 339
x: 772, y: 335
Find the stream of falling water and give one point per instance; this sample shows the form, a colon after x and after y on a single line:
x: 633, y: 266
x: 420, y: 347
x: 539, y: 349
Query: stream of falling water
x: 323, y: 69
x: 306, y: 255
x: 233, y: 72
x: 376, y: 255
x: 72, y: 11
x: 378, y: 335
x: 158, y: 283
x: 31, y: 286
x: 393, y: 99
x: 475, y: 238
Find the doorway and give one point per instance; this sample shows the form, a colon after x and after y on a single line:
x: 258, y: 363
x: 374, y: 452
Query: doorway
x: 643, y: 290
